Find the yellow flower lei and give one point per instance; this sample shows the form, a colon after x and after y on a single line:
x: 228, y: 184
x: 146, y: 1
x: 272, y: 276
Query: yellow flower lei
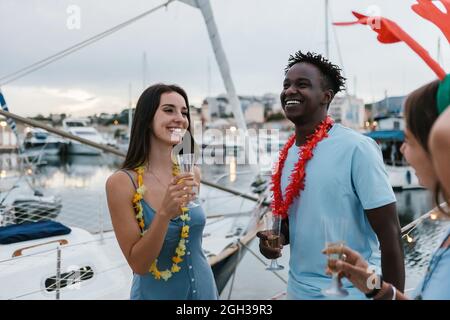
x: 180, y: 251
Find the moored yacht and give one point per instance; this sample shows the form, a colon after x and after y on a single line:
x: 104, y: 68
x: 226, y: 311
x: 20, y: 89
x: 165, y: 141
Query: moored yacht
x: 80, y: 128
x: 39, y: 140
x: 390, y: 136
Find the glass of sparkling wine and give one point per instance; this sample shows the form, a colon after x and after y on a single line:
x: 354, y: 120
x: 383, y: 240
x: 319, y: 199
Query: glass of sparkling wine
x: 187, y: 163
x: 334, y: 231
x: 273, y: 231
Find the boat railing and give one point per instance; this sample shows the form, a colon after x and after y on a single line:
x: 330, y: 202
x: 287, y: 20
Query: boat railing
x: 433, y: 215
x: 64, y: 276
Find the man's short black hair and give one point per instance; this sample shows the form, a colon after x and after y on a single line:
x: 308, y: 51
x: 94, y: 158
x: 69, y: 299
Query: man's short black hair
x: 331, y: 73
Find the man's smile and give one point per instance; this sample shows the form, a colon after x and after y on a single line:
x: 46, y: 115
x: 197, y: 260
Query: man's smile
x: 293, y: 103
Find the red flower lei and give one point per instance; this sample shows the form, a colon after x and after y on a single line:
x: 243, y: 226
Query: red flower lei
x: 279, y: 206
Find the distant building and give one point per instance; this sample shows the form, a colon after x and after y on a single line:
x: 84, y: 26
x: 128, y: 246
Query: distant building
x: 272, y: 103
x: 255, y: 108
x: 56, y: 118
x: 388, y: 106
x: 254, y: 113
x: 218, y: 107
x: 348, y: 110
x: 390, y: 123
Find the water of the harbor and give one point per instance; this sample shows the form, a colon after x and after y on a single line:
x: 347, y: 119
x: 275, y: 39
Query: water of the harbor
x: 80, y: 182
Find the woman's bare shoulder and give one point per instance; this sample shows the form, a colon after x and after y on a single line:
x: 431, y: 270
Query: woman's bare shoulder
x: 120, y: 181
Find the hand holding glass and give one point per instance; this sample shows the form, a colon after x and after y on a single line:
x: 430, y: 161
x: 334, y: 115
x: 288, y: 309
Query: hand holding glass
x: 187, y: 163
x: 273, y: 233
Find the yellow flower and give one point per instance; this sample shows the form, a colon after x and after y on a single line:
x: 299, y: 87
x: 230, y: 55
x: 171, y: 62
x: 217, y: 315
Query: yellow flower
x: 166, y: 275
x: 185, y: 232
x: 177, y: 259
x: 184, y: 210
x: 153, y: 266
x: 180, y: 251
x: 185, y: 218
x: 137, y: 197
x: 175, y: 268
x: 141, y: 190
x: 140, y: 170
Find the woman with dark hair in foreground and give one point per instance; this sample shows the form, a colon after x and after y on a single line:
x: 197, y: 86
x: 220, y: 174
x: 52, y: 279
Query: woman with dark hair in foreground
x: 160, y: 237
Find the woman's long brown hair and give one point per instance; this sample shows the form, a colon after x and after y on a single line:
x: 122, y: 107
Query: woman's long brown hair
x: 141, y: 130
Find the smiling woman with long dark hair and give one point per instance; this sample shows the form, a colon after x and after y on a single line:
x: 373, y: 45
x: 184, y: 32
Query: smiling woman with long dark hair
x: 160, y: 237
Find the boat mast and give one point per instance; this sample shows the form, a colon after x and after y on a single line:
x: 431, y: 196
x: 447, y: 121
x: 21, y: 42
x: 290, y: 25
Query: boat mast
x: 214, y: 37
x: 438, y: 54
x: 144, y: 70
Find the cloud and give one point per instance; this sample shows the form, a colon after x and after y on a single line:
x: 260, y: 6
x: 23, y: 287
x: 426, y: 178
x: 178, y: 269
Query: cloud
x: 29, y: 101
x: 257, y: 35
x: 72, y: 94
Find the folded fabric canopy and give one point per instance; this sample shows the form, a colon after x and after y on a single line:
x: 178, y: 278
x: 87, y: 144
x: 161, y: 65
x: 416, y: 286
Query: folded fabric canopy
x: 31, y: 231
x: 396, y: 135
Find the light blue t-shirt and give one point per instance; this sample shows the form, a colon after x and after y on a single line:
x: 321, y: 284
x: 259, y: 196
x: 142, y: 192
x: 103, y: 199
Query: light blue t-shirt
x: 345, y: 177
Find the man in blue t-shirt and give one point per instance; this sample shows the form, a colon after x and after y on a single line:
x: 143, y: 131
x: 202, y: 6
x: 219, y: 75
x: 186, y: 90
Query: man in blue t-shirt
x: 345, y: 183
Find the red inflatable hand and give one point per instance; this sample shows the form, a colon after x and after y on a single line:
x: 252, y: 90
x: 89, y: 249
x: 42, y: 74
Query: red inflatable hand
x: 390, y: 32
x: 427, y: 10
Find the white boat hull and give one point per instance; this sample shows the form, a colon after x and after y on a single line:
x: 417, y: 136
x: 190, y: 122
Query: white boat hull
x: 26, y: 277
x: 52, y: 150
x: 403, y: 177
x: 78, y: 148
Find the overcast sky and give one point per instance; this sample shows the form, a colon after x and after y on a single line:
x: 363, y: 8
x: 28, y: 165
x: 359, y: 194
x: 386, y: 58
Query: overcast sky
x: 258, y: 36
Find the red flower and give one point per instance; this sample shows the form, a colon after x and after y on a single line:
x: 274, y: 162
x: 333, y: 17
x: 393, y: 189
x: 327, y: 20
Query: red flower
x: 297, y: 178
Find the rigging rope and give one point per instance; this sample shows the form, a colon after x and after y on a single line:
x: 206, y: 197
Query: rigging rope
x: 61, y: 54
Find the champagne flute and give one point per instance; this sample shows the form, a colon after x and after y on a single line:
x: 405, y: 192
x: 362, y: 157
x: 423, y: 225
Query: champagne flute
x: 273, y: 232
x: 187, y: 163
x: 334, y: 231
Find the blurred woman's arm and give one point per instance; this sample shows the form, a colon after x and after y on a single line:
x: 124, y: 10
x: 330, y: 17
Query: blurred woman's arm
x: 358, y: 272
